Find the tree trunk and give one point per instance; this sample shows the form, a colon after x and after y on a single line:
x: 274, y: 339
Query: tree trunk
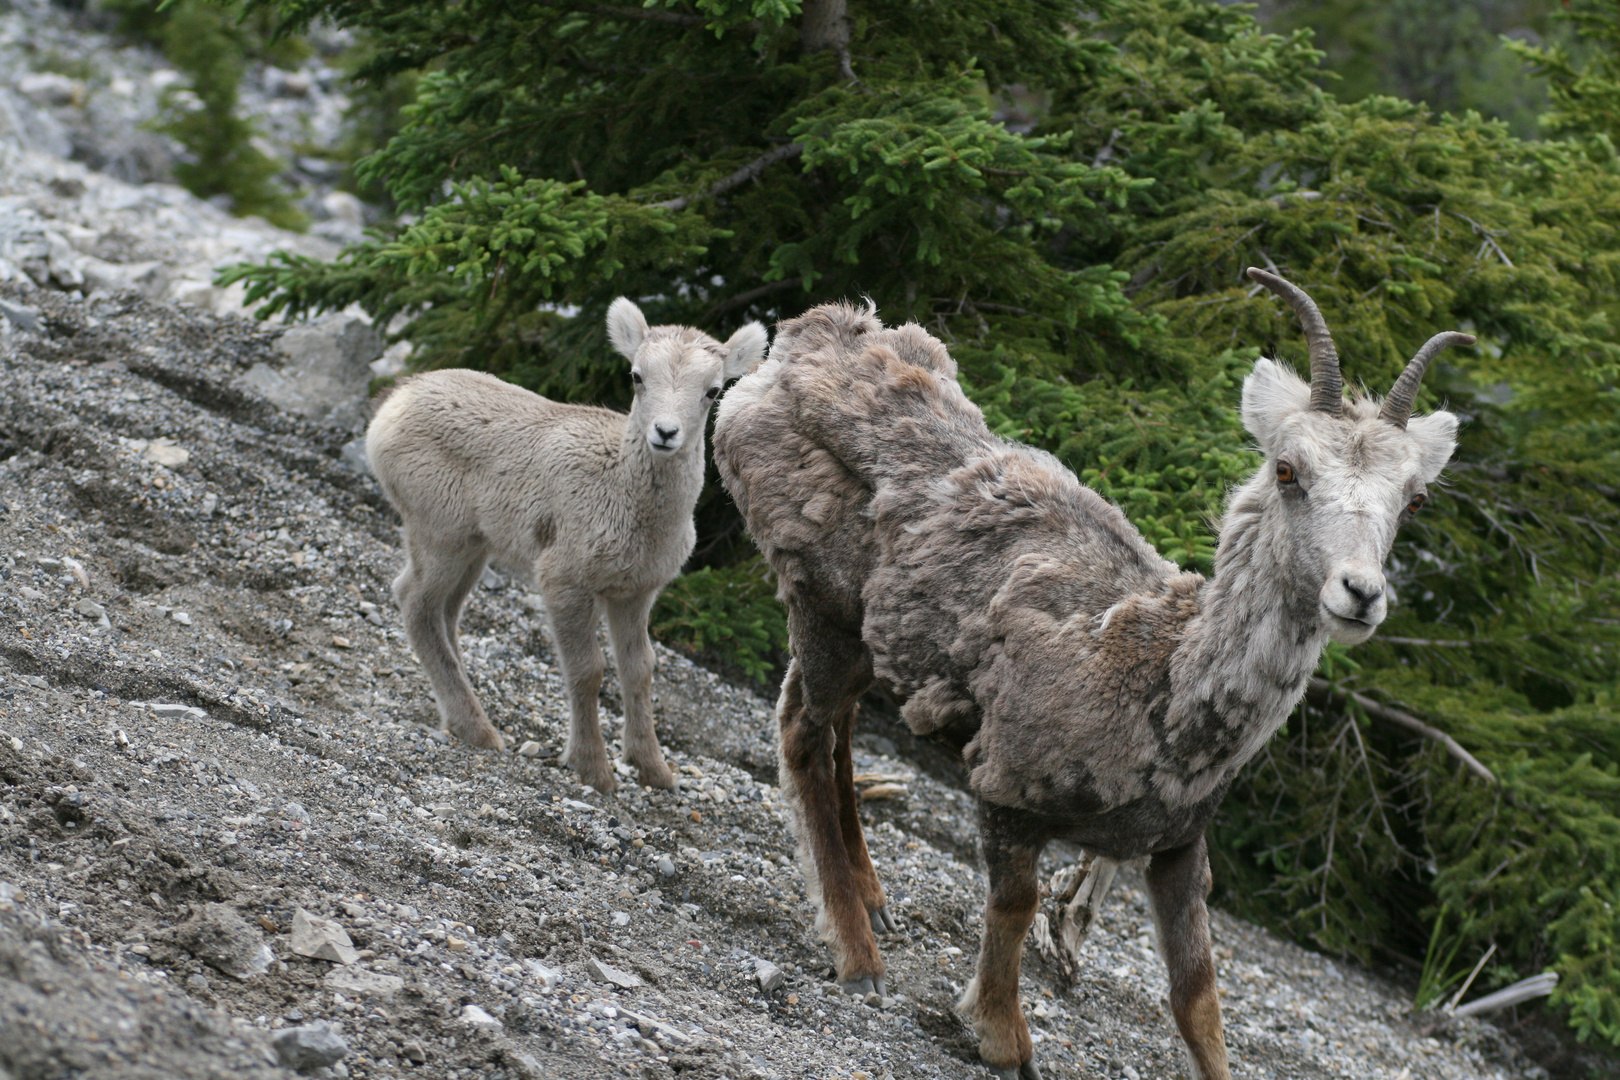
x: 825, y: 26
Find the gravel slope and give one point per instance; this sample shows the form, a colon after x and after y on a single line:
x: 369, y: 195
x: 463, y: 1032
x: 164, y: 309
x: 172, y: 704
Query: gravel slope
x: 210, y: 722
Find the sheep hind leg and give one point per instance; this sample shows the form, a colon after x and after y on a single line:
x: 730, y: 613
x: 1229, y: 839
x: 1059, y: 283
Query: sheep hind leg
x: 1178, y: 882
x: 824, y: 679
x: 424, y: 590
x: 990, y: 1003
x: 849, y: 823
x: 633, y: 654
x: 573, y: 628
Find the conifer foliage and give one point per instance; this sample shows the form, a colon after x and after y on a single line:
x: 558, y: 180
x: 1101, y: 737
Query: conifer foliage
x: 1083, y: 255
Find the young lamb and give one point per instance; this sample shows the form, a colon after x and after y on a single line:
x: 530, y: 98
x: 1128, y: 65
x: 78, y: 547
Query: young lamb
x: 1099, y: 694
x: 596, y: 505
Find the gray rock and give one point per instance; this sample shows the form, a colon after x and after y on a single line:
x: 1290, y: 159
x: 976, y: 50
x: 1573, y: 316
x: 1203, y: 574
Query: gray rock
x: 321, y: 939
x: 769, y: 975
x: 221, y: 938
x: 364, y: 982
x: 474, y: 1016
x: 90, y: 609
x: 354, y: 456
x: 326, y: 372
x: 23, y: 318
x: 310, y: 1047
x: 666, y: 867
x: 606, y: 973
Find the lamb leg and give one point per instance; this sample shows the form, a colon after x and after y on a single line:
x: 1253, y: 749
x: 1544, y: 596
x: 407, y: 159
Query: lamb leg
x: 633, y: 654
x: 426, y: 591
x: 573, y: 617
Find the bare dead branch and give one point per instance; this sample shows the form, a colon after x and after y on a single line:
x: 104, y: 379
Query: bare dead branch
x: 1321, y: 692
x: 738, y: 178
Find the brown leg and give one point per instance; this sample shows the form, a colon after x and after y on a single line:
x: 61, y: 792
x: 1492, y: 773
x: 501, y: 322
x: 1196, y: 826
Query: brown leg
x: 828, y: 673
x: 1178, y: 881
x: 849, y: 823
x: 990, y: 1003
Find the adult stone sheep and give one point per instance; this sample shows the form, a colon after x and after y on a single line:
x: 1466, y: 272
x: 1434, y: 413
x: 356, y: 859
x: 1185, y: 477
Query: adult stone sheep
x: 1098, y: 694
x: 595, y: 505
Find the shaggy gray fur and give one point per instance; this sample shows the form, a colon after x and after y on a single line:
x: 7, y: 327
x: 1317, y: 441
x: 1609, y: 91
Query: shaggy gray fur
x: 1099, y: 693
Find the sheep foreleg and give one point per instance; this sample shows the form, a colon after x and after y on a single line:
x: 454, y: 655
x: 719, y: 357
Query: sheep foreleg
x: 633, y: 653
x: 990, y: 1002
x: 807, y: 713
x: 573, y: 630
x: 1178, y: 882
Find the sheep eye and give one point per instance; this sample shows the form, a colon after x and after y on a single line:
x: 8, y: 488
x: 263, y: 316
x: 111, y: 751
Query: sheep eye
x: 714, y: 392
x: 1417, y: 503
x: 635, y: 377
x: 1285, y: 473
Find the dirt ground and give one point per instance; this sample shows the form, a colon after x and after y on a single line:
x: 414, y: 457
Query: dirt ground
x: 213, y: 737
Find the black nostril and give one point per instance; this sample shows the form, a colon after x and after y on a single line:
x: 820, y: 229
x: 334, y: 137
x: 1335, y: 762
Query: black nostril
x: 1363, y: 596
x: 665, y: 433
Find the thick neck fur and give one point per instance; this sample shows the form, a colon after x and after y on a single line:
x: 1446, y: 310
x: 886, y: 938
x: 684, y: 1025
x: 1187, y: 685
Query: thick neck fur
x: 1245, y: 657
x: 658, y: 486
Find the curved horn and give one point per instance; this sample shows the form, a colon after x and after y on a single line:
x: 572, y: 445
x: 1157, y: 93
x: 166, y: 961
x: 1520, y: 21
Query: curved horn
x: 1398, y: 405
x: 1327, y: 386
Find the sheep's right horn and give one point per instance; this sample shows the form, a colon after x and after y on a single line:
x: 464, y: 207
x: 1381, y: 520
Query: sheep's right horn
x: 1327, y: 385
x: 1398, y: 406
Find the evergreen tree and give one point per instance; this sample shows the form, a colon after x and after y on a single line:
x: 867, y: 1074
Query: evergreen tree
x: 722, y: 160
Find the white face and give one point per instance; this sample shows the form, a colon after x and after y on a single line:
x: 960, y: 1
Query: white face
x: 1336, y: 488
x: 678, y: 373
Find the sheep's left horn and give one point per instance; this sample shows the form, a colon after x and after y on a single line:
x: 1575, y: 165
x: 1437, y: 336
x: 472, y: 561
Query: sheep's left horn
x: 1327, y: 385
x: 1398, y: 405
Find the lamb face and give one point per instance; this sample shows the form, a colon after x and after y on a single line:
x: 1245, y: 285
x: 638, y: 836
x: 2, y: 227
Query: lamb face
x: 1335, y: 489
x: 678, y: 373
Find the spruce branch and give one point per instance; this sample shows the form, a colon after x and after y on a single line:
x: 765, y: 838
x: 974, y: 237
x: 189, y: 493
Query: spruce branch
x: 738, y: 178
x: 1321, y: 692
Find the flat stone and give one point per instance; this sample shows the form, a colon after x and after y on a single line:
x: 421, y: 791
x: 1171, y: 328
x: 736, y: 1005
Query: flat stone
x: 321, y: 939
x: 530, y: 749
x: 606, y: 973
x: 310, y: 1047
x: 474, y: 1016
x: 364, y: 982
x: 90, y: 609
x: 546, y: 976
x: 166, y: 452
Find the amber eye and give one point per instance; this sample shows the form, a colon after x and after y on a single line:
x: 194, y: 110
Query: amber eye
x: 1417, y: 503
x: 1285, y: 473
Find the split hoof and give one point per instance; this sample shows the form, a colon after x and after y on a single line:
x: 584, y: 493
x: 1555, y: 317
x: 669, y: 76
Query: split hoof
x: 1027, y: 1071
x: 863, y: 987
x: 883, y: 922
x: 483, y: 737
x: 655, y: 776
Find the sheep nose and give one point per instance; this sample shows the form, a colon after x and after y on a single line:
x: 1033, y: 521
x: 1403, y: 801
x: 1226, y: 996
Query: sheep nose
x: 1364, y: 590
x: 665, y: 434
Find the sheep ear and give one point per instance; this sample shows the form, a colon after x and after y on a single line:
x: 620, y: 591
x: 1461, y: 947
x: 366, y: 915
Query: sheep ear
x: 1271, y: 394
x: 626, y: 326
x: 1436, y: 438
x: 744, y: 350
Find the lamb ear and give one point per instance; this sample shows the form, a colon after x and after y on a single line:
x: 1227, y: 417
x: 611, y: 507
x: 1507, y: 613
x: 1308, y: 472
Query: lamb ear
x: 1435, y: 436
x: 1271, y: 394
x: 626, y: 326
x: 744, y: 350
